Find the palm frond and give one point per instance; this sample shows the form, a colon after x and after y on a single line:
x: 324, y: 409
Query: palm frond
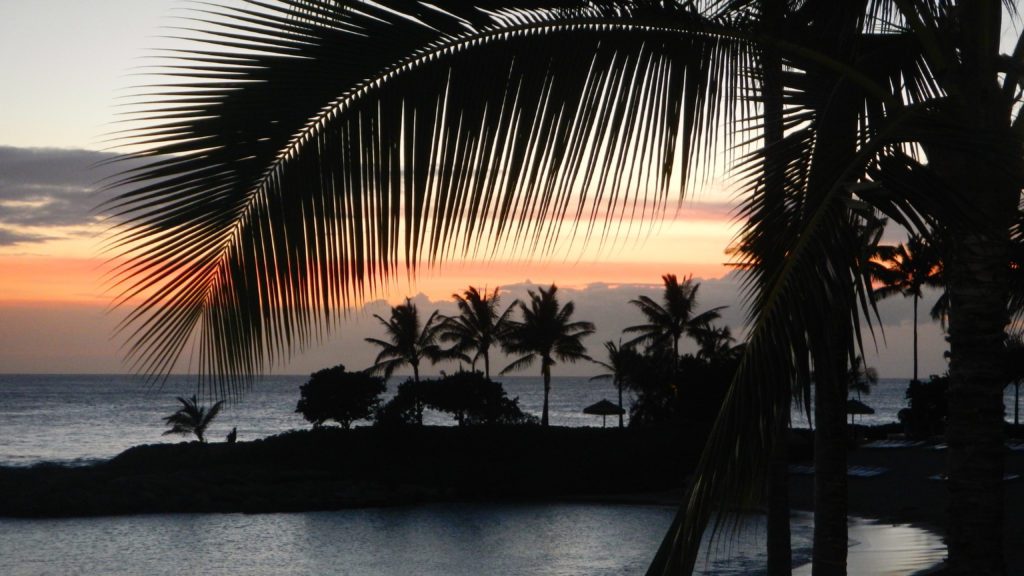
x: 309, y: 151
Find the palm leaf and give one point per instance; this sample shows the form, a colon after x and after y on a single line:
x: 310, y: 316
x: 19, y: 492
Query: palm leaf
x: 309, y: 151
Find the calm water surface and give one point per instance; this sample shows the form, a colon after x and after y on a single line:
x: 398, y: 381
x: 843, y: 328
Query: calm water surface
x: 443, y: 539
x: 430, y: 540
x: 81, y: 418
x: 78, y: 419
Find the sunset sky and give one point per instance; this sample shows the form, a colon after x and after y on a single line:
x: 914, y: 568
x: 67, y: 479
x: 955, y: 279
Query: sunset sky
x: 67, y: 65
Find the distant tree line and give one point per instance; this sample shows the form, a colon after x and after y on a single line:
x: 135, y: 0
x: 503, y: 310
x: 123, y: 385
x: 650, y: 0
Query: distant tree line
x: 665, y: 384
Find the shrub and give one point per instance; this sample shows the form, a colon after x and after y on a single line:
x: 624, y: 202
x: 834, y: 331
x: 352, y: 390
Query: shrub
x: 928, y: 407
x: 334, y: 394
x: 469, y: 397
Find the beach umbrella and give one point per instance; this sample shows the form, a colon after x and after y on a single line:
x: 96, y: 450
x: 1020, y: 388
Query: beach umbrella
x: 854, y: 406
x: 604, y: 409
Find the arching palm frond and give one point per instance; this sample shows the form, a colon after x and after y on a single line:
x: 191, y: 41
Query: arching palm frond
x: 478, y: 327
x: 669, y: 321
x: 192, y: 418
x: 308, y: 151
x: 408, y: 341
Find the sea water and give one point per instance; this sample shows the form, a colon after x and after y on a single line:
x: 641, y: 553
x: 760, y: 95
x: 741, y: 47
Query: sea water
x: 79, y: 419
x: 83, y: 418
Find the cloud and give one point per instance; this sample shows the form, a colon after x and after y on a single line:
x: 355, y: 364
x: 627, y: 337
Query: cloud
x: 14, y: 237
x: 47, y: 188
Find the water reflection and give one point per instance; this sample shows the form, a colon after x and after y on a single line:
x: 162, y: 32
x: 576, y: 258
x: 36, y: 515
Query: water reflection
x: 436, y: 539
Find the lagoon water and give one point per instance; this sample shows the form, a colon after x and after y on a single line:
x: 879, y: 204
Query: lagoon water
x: 79, y: 419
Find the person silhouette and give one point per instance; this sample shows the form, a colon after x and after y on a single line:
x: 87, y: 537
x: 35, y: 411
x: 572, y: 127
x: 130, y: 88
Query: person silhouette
x: 233, y: 435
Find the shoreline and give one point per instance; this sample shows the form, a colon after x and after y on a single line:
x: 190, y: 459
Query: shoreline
x: 367, y: 467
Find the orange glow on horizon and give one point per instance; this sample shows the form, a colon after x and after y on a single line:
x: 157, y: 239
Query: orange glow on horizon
x: 51, y: 280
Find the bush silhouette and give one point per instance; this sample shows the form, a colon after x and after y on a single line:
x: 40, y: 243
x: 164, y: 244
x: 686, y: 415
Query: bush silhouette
x: 928, y: 407
x: 470, y: 397
x: 334, y: 394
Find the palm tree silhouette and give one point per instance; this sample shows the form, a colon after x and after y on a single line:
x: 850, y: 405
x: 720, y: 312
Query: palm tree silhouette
x: 192, y: 418
x: 478, y: 327
x: 620, y: 360
x: 905, y: 269
x: 668, y: 321
x: 546, y: 332
x: 277, y: 188
x: 408, y: 341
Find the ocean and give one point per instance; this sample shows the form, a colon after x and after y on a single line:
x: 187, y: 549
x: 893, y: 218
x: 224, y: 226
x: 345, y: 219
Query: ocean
x: 77, y: 419
x: 83, y: 418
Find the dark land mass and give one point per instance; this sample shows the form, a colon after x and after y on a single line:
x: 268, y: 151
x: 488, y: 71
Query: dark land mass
x: 333, y: 468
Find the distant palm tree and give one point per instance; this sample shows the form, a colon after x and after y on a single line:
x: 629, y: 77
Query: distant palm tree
x: 192, y: 418
x: 408, y: 341
x: 906, y: 269
x: 478, y: 326
x: 547, y: 332
x: 862, y: 378
x: 620, y: 359
x: 668, y: 321
x: 716, y: 343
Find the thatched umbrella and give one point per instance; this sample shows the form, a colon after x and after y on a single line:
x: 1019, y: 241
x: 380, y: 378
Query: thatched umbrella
x: 854, y: 406
x: 604, y: 409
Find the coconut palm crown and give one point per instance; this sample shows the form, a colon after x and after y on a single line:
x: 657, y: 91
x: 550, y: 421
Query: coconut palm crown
x: 906, y: 269
x: 546, y: 332
x: 192, y: 418
x: 479, y: 326
x: 669, y: 320
x: 408, y: 340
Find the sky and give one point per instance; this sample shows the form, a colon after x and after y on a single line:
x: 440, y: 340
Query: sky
x: 67, y: 66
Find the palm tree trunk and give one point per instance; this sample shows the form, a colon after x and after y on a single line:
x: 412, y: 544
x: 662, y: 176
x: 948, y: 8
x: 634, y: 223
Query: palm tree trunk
x: 780, y: 551
x: 545, y: 370
x: 1016, y: 403
x: 487, y: 365
x: 836, y: 28
x: 780, y: 548
x: 830, y: 437
x: 618, y: 384
x: 978, y: 289
x: 416, y: 378
x: 974, y: 430
x: 915, y: 337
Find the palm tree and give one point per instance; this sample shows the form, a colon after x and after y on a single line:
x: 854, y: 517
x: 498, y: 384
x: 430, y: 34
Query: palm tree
x: 861, y: 378
x: 478, y: 326
x: 192, y: 418
x: 276, y: 188
x: 546, y: 332
x: 620, y: 360
x: 669, y: 321
x: 905, y: 269
x: 716, y: 343
x: 408, y: 341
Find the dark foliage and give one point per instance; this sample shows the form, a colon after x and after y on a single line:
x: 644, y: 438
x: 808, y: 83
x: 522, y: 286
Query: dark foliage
x: 928, y: 407
x: 334, y: 394
x: 404, y: 409
x: 470, y: 397
x: 694, y: 392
